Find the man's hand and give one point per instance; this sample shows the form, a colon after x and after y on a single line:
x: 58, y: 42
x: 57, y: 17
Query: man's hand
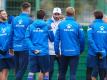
x: 37, y: 51
x: 11, y: 51
x: 99, y: 55
x: 58, y: 55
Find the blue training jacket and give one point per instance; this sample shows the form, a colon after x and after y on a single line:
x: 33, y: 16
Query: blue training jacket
x: 19, y: 25
x: 97, y: 37
x: 53, y: 24
x: 71, y: 36
x: 37, y: 36
x: 5, y: 38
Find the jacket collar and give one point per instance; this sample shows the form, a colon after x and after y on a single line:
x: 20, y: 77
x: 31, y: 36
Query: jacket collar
x: 98, y: 20
x: 69, y: 18
x: 24, y: 14
x: 3, y: 22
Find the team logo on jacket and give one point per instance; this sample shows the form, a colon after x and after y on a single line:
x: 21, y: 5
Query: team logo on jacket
x: 101, y: 27
x: 69, y: 28
x: 3, y: 32
x: 101, y: 30
x: 38, y: 30
x: 20, y: 23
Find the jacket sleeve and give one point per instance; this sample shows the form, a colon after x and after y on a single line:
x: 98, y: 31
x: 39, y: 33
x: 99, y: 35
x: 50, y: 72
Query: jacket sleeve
x: 8, y: 43
x: 81, y: 39
x: 51, y: 35
x: 91, y: 42
x: 11, y: 37
x: 56, y: 42
x: 28, y: 38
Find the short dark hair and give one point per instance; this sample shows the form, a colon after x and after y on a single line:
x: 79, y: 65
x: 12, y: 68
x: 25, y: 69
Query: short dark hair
x: 25, y: 5
x: 98, y: 14
x: 40, y: 14
x: 1, y: 11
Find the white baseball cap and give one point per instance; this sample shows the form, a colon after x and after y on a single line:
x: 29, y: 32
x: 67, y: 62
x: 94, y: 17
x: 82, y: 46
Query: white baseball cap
x: 57, y: 10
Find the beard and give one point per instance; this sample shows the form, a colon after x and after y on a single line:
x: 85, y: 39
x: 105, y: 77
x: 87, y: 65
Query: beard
x: 56, y: 18
x: 3, y: 18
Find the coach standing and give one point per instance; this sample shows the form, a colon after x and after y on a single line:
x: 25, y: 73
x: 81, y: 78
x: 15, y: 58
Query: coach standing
x: 70, y: 35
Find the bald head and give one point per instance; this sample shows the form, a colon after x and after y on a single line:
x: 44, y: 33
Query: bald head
x: 70, y: 11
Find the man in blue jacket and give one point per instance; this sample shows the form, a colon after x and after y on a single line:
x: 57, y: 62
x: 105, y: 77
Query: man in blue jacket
x: 6, y: 60
x: 106, y: 69
x: 53, y: 23
x: 19, y: 26
x: 71, y: 37
x: 37, y: 36
x: 97, y: 43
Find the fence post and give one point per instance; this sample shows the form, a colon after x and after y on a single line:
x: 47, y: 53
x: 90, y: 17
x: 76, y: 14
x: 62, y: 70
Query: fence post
x: 37, y: 5
x: 72, y: 3
x: 101, y: 5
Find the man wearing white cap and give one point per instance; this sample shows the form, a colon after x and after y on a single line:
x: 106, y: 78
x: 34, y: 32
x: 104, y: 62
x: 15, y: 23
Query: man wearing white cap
x: 53, y: 23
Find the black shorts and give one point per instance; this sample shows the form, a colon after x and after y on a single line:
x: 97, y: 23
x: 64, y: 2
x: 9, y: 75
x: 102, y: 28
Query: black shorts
x: 39, y: 64
x: 6, y: 63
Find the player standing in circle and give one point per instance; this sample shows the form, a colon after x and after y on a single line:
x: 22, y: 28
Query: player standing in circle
x: 19, y: 25
x: 71, y: 37
x: 37, y: 36
x: 6, y: 60
x: 97, y: 43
